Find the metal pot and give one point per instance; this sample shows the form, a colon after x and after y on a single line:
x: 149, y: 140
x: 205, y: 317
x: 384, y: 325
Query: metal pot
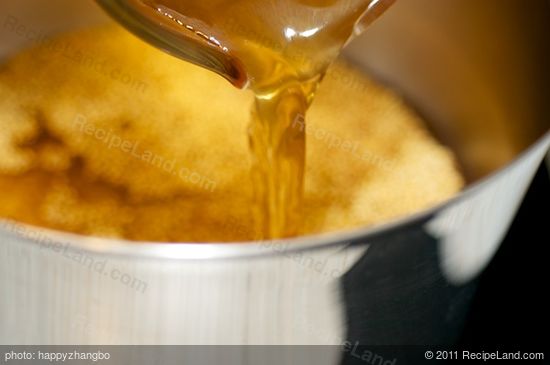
x: 476, y: 70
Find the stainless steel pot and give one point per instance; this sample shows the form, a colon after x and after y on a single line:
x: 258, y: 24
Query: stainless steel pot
x: 477, y: 70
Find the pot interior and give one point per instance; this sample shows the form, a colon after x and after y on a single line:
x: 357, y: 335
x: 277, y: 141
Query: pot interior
x: 475, y: 70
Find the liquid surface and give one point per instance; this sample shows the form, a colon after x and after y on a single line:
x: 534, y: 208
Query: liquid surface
x: 83, y: 156
x: 282, y: 49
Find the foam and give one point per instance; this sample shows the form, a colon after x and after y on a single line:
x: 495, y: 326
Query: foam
x: 104, y: 135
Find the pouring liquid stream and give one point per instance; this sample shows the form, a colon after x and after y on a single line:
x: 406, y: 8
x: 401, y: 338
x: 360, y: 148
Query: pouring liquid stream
x: 280, y: 49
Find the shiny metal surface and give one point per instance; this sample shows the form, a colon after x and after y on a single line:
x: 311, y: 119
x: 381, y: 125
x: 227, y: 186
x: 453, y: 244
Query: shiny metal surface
x: 477, y: 70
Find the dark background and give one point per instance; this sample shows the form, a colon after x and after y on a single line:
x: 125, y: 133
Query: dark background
x: 511, y: 306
